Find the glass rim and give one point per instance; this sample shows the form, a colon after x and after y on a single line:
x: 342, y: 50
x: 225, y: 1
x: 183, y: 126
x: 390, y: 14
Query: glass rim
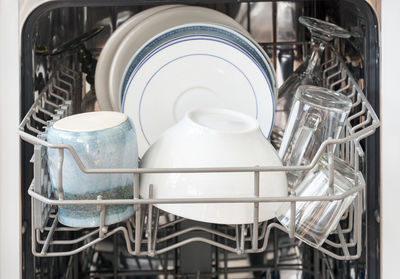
x: 323, y: 98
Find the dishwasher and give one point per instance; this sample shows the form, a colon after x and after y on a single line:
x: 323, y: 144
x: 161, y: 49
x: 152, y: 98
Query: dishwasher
x: 153, y: 243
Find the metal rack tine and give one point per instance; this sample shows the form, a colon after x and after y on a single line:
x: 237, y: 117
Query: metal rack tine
x: 256, y: 210
x: 149, y: 224
x: 32, y: 129
x: 49, y: 236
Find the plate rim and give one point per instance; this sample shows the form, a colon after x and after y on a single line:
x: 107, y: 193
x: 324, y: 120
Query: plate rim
x: 169, y: 14
x: 267, y: 81
x: 262, y: 59
x: 106, y: 55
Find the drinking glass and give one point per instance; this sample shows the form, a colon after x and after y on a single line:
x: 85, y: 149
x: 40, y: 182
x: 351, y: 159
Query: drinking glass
x: 315, y: 220
x: 308, y: 73
x: 316, y: 115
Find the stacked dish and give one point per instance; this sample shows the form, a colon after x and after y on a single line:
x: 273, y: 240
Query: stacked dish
x: 201, y: 93
x: 169, y: 60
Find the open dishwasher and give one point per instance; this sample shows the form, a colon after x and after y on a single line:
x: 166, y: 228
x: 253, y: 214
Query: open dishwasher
x: 153, y: 243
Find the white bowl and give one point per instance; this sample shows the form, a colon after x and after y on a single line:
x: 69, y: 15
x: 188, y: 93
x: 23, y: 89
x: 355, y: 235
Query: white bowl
x: 213, y: 138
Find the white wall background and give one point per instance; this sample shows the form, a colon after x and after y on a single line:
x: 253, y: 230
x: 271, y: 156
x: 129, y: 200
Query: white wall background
x: 9, y: 143
x: 390, y: 140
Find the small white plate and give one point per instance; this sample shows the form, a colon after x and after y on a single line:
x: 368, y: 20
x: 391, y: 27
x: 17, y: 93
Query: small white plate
x: 107, y: 54
x: 195, y: 72
x: 150, y: 27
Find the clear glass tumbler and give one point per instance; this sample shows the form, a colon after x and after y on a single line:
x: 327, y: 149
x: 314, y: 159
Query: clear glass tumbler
x: 315, y: 220
x: 308, y: 73
x: 316, y: 115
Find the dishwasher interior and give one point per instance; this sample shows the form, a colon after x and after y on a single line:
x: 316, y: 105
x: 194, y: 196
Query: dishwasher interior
x: 155, y: 244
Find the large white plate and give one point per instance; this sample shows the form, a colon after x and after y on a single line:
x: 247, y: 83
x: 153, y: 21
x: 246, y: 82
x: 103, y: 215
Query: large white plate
x: 228, y: 34
x: 107, y: 54
x: 149, y: 28
x: 195, y: 72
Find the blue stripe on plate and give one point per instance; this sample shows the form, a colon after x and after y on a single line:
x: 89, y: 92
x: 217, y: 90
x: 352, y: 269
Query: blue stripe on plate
x: 147, y: 52
x: 184, y: 56
x: 189, y: 39
x: 234, y: 40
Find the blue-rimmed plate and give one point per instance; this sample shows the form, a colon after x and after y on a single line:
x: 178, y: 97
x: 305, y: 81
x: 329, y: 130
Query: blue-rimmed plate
x: 109, y: 49
x: 150, y: 27
x: 196, y: 66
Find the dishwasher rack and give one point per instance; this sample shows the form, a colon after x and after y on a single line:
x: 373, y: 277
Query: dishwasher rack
x: 149, y: 231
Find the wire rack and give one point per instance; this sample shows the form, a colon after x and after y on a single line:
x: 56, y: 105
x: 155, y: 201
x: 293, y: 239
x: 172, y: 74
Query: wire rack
x: 148, y: 232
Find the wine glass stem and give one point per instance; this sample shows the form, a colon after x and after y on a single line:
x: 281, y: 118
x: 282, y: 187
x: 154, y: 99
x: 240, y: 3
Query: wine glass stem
x: 315, y: 59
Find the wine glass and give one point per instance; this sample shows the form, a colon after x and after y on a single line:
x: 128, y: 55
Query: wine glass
x: 308, y: 73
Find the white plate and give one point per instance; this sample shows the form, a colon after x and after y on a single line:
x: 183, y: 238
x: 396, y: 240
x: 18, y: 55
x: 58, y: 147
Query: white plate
x: 218, y: 32
x: 107, y: 54
x: 149, y: 28
x: 195, y: 72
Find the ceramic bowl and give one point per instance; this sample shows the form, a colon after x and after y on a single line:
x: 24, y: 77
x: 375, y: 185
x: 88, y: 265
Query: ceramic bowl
x: 213, y: 138
x: 102, y: 140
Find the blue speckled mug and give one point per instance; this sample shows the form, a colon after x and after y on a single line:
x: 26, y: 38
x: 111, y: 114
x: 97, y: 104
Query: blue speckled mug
x: 102, y: 140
